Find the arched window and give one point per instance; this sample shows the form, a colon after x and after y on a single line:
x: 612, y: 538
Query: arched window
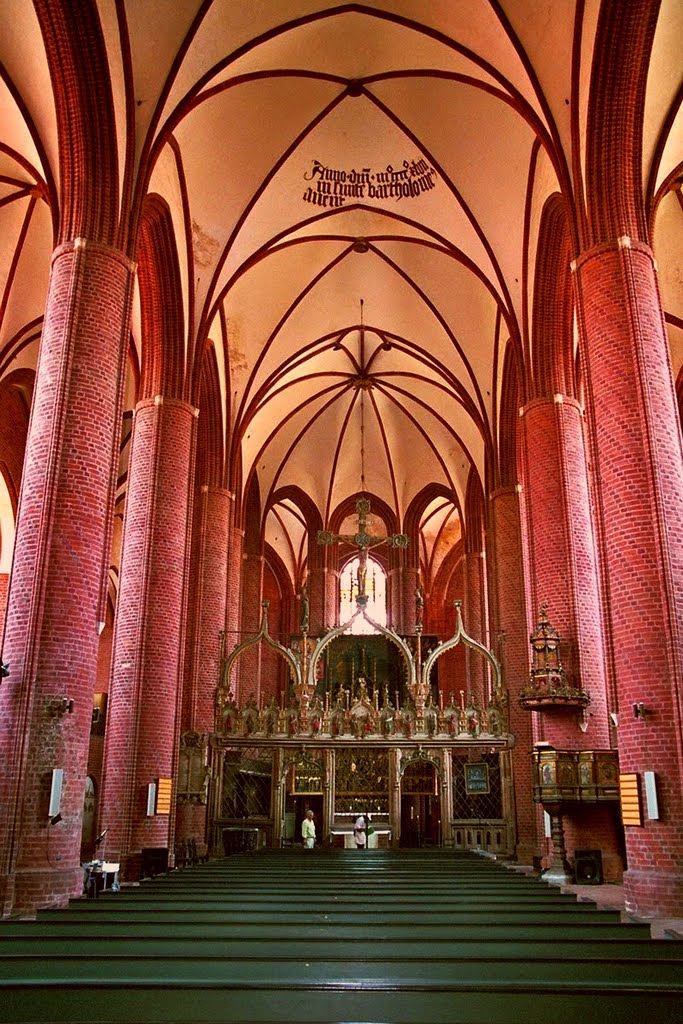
x: 376, y: 590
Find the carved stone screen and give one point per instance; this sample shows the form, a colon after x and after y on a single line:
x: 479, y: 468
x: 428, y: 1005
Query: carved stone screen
x: 361, y: 781
x: 247, y: 776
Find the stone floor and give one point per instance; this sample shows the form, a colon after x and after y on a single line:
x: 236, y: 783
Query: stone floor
x: 611, y: 897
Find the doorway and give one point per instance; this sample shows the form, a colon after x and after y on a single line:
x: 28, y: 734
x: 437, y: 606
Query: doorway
x: 420, y: 806
x: 295, y: 812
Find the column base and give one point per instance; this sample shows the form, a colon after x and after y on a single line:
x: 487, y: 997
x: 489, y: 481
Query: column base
x: 653, y: 894
x: 32, y: 889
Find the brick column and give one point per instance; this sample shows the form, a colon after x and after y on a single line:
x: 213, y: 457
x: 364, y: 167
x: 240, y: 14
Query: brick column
x: 211, y: 525
x: 640, y: 472
x: 233, y: 621
x: 4, y: 591
x: 252, y: 592
x: 59, y: 574
x: 144, y: 701
x: 409, y: 580
x: 509, y: 618
x: 331, y: 595
x: 474, y: 620
x: 562, y: 559
x: 563, y: 571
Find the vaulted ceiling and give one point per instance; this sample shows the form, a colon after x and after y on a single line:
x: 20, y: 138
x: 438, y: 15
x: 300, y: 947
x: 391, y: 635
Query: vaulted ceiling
x: 356, y: 192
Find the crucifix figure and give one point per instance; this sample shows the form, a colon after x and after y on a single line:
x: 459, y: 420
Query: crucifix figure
x: 364, y: 541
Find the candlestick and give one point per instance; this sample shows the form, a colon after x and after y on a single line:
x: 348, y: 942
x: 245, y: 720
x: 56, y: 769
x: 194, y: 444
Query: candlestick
x: 440, y: 700
x: 462, y: 699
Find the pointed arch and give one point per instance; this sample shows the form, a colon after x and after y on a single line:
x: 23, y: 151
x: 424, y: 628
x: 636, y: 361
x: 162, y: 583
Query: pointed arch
x: 162, y: 370
x: 210, y: 446
x: 16, y: 394
x: 614, y: 175
x: 509, y: 414
x: 552, y: 335
x: 253, y: 526
x: 475, y: 519
x: 88, y: 161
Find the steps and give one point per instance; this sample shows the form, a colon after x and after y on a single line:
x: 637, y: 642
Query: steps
x: 329, y: 936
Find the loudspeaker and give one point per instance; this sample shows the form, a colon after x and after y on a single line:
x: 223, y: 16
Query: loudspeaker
x: 154, y: 861
x: 588, y: 867
x: 55, y: 792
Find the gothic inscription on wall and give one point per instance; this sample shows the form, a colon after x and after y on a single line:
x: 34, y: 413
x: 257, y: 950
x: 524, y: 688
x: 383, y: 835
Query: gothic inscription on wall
x: 332, y: 187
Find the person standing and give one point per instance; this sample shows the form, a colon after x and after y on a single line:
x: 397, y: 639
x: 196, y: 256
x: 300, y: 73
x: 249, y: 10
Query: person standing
x: 359, y: 832
x: 308, y: 831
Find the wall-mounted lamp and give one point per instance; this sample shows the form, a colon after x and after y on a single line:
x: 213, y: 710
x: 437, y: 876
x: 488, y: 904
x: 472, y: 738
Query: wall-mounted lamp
x: 639, y: 710
x: 62, y: 706
x: 4, y: 669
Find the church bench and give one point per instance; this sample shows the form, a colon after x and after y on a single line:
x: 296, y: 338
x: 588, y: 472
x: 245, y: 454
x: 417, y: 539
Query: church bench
x: 217, y: 1003
x: 191, y: 929
x: 446, y: 974
x: 289, y: 915
x: 18, y: 945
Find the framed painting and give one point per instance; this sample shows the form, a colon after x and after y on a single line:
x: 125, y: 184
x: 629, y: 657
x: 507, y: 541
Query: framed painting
x: 476, y: 778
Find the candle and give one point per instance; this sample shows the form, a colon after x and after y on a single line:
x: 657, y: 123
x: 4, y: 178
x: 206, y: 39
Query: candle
x: 462, y: 699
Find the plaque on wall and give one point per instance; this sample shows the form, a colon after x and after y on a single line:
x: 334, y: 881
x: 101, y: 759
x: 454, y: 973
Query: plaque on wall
x: 477, y: 777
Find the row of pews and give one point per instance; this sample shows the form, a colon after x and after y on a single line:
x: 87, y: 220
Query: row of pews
x: 336, y: 935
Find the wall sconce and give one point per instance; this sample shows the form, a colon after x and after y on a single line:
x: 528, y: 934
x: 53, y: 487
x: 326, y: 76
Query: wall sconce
x: 4, y: 669
x: 639, y: 710
x: 62, y: 706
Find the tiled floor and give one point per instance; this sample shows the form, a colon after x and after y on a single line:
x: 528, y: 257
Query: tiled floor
x: 611, y: 897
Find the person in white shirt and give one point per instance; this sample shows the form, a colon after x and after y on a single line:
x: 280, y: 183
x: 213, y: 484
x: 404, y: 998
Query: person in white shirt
x: 308, y: 831
x: 359, y: 832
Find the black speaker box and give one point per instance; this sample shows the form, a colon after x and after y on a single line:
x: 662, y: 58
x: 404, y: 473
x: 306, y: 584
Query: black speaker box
x: 154, y: 861
x: 588, y: 867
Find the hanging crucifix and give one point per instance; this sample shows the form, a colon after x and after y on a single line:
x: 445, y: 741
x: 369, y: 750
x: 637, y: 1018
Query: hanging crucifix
x: 364, y: 541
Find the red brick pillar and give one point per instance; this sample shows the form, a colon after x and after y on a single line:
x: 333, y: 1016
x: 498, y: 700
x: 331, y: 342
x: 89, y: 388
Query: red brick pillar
x: 395, y: 599
x: 504, y: 546
x: 562, y: 560
x: 4, y: 590
x: 252, y: 594
x: 409, y: 581
x: 316, y: 586
x: 331, y: 597
x: 640, y: 472
x: 402, y: 582
x: 211, y: 525
x: 317, y: 596
x: 144, y: 702
x: 563, y: 572
x: 474, y: 621
x: 59, y: 575
x: 233, y: 611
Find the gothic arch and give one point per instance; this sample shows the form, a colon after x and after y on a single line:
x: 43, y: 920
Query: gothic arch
x: 16, y: 393
x: 552, y: 364
x: 210, y: 447
x: 510, y: 402
x: 88, y: 160
x: 163, y: 360
x: 614, y: 175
